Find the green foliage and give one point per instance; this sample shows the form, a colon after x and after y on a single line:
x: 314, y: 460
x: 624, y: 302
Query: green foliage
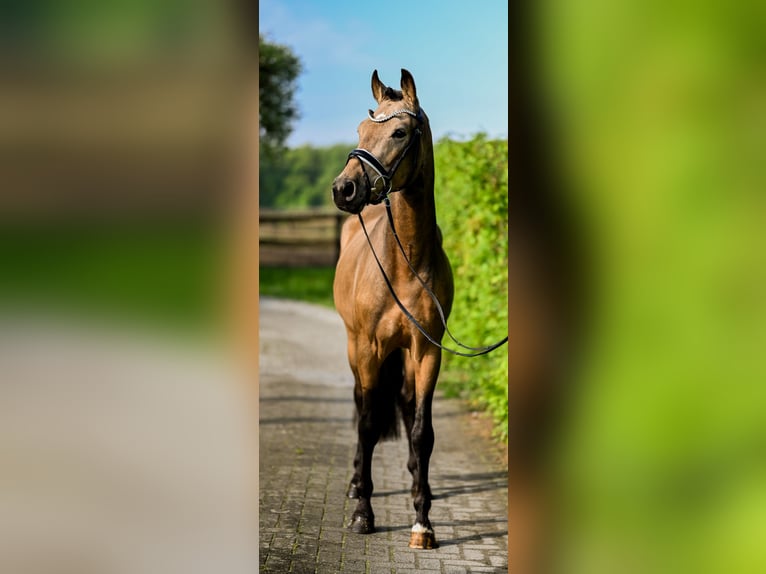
x: 662, y: 110
x: 311, y: 284
x: 472, y: 210
x: 301, y: 177
x: 278, y: 71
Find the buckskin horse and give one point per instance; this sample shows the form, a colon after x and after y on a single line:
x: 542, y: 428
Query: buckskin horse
x: 395, y: 366
x: 394, y: 323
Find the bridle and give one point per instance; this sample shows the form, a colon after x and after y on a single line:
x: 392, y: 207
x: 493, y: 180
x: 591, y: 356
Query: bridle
x: 386, y: 176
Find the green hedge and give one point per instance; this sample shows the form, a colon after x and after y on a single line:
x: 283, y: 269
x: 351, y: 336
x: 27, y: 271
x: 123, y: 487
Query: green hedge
x: 472, y: 209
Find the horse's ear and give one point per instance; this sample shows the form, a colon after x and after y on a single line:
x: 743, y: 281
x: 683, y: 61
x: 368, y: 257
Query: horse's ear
x: 378, y: 88
x: 408, y: 89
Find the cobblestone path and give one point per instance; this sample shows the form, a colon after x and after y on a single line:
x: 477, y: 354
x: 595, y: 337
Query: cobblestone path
x: 306, y: 447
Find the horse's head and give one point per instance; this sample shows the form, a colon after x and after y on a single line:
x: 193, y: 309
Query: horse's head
x: 390, y: 152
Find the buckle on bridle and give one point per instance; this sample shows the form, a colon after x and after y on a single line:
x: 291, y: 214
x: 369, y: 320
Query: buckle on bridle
x: 383, y: 193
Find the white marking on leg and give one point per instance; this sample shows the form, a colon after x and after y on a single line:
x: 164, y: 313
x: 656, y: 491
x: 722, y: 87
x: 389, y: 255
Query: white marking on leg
x: 419, y: 529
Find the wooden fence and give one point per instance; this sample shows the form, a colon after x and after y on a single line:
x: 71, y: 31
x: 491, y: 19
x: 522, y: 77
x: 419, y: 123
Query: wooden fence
x: 299, y: 238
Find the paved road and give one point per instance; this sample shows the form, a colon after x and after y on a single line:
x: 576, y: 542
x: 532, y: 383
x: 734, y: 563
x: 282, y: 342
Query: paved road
x: 306, y: 446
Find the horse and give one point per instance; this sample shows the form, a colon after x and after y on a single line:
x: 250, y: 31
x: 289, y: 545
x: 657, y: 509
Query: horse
x: 394, y: 324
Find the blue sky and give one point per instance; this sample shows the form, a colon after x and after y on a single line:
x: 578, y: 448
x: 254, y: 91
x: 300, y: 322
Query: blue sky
x: 456, y: 51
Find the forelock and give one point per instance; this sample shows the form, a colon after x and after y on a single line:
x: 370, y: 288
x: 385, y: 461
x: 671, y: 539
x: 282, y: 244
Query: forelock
x: 393, y: 95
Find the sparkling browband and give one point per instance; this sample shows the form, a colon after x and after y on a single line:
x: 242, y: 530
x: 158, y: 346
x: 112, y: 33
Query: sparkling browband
x: 391, y: 115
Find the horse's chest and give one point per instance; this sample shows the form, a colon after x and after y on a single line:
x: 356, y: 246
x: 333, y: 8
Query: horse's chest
x: 366, y: 303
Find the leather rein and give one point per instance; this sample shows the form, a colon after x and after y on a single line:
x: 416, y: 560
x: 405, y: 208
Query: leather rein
x: 386, y: 177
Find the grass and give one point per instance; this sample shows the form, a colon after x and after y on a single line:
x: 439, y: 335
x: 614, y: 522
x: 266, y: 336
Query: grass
x: 310, y: 284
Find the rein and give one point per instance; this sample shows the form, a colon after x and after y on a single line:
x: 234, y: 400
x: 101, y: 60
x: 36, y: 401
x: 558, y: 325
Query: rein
x: 478, y: 350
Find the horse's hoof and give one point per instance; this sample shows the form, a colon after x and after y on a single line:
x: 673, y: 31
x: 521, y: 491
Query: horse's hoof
x: 353, y: 491
x: 422, y: 538
x: 362, y: 525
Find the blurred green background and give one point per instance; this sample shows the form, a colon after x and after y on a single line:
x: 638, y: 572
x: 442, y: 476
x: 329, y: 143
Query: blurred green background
x: 660, y: 111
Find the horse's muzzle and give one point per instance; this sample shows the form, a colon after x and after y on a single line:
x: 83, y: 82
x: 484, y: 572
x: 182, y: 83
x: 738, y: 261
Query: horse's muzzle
x: 348, y: 195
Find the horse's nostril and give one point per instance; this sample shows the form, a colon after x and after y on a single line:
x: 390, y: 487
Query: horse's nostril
x: 349, y: 190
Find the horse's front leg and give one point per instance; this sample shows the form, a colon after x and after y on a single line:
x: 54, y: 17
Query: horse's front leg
x: 354, y: 484
x: 368, y: 434
x: 422, y: 443
x: 407, y: 409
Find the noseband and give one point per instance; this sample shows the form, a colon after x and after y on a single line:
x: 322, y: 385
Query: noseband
x: 383, y: 175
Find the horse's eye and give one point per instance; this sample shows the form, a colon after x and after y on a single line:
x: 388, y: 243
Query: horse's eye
x: 399, y: 134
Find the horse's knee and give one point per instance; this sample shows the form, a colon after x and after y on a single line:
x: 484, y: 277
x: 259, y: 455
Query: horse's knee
x: 412, y: 464
x: 422, y: 439
x: 367, y: 428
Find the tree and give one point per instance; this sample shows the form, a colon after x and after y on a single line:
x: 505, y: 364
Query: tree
x: 278, y: 70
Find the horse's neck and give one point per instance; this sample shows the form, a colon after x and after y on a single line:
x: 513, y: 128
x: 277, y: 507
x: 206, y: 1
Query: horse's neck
x: 414, y: 216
